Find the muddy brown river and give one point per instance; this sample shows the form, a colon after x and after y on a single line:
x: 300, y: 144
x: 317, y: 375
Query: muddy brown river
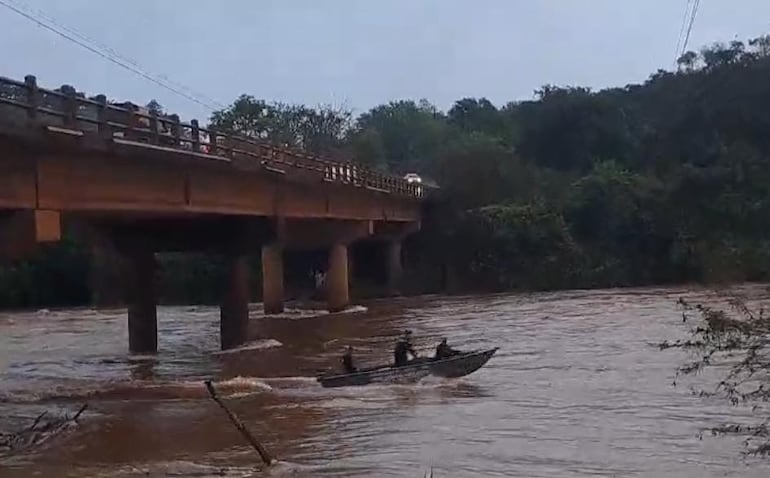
x: 578, y: 388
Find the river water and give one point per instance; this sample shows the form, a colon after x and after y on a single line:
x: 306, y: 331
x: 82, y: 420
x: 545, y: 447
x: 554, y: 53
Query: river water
x: 578, y: 388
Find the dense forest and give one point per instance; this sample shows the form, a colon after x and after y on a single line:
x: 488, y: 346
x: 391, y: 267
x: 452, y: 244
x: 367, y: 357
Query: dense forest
x: 667, y: 181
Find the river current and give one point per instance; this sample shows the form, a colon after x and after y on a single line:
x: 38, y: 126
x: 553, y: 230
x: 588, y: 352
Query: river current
x: 578, y: 388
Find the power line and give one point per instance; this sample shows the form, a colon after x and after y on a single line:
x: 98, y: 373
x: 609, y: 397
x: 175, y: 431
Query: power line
x: 677, y: 54
x: 105, y: 56
x: 111, y: 58
x: 689, y: 27
x: 112, y: 52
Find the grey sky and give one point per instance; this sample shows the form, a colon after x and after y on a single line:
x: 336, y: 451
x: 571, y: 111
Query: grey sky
x: 362, y: 53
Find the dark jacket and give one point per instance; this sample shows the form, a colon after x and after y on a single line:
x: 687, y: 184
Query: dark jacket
x: 444, y: 350
x: 403, y: 347
x: 347, y: 363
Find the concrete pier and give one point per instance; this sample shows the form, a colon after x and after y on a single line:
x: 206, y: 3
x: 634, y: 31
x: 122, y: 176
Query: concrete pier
x: 337, y: 287
x: 394, y: 266
x: 272, y: 278
x: 234, y: 309
x: 142, y: 302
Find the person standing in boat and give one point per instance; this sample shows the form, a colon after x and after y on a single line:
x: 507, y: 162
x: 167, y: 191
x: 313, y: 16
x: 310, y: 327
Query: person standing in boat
x: 347, y: 361
x: 443, y: 350
x: 403, y: 349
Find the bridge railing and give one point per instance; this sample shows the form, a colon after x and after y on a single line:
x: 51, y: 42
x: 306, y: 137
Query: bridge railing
x: 26, y: 103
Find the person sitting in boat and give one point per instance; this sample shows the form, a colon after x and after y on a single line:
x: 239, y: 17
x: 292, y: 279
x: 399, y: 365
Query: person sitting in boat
x: 347, y: 361
x: 443, y: 350
x: 403, y: 349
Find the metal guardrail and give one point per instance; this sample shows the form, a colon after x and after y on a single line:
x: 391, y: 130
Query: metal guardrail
x: 28, y: 104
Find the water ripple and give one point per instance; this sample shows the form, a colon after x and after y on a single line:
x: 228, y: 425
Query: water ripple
x: 577, y: 389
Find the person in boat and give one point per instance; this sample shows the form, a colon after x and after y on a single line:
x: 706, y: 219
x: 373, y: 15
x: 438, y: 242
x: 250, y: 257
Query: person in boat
x: 403, y: 349
x: 443, y: 350
x: 347, y: 361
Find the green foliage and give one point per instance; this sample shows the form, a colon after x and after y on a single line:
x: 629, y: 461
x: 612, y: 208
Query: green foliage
x: 661, y: 182
x: 514, y: 246
x: 472, y: 160
x: 408, y: 134
x: 318, y: 130
x: 734, y: 343
x: 664, y: 181
x: 57, y: 275
x: 154, y: 107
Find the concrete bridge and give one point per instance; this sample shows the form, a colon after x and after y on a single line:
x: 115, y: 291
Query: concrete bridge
x: 142, y: 183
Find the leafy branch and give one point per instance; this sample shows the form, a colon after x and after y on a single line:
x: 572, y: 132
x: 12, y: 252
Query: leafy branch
x: 738, y: 340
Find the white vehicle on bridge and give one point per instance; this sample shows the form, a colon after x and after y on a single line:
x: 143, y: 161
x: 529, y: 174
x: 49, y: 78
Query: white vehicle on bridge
x: 413, y: 178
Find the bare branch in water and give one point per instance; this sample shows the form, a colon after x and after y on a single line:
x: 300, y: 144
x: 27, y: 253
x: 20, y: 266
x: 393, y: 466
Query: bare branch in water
x: 39, y: 431
x: 263, y: 453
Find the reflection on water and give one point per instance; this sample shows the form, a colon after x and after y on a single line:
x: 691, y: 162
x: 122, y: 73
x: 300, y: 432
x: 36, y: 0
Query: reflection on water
x: 575, y: 389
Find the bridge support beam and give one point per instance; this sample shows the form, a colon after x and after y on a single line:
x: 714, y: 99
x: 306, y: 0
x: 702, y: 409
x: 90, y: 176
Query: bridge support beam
x: 272, y: 278
x: 234, y: 309
x: 142, y: 310
x: 21, y: 231
x: 337, y: 286
x: 394, y: 266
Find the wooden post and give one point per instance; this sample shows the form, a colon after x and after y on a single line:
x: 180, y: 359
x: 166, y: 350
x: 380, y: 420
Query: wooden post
x: 103, y: 127
x: 213, y: 142
x: 154, y: 128
x: 132, y: 123
x: 70, y: 106
x: 33, y: 97
x: 263, y: 453
x: 196, y: 136
x: 176, y: 130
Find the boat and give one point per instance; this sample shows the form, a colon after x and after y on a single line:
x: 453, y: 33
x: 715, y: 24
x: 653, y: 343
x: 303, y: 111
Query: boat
x: 459, y: 365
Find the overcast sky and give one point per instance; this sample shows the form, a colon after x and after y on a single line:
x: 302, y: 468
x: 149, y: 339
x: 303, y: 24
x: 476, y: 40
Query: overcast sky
x: 360, y: 53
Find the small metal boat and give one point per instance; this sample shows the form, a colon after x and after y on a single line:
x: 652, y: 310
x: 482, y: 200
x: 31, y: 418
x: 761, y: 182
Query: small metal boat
x: 454, y: 366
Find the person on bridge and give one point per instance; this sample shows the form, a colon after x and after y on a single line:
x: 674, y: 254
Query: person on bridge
x: 443, y: 350
x: 347, y: 361
x: 403, y: 349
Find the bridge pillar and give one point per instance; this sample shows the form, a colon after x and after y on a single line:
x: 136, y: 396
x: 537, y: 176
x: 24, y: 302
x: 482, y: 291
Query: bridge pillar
x: 142, y: 310
x: 394, y: 266
x: 272, y: 278
x: 234, y: 309
x: 337, y: 286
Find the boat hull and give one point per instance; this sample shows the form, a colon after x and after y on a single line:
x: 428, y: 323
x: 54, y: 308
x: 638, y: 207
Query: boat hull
x: 452, y: 367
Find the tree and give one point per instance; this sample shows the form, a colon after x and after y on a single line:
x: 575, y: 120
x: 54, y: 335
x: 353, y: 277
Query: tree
x: 473, y: 159
x: 154, y: 107
x: 738, y: 343
x: 479, y: 115
x: 719, y: 54
x: 687, y: 62
x: 409, y: 134
x: 761, y: 45
x: 502, y: 247
x: 568, y: 128
x: 616, y: 213
x: 667, y: 180
x: 368, y: 149
x: 318, y: 130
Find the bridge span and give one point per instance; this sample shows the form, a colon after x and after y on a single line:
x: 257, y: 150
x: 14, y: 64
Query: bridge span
x: 142, y: 183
